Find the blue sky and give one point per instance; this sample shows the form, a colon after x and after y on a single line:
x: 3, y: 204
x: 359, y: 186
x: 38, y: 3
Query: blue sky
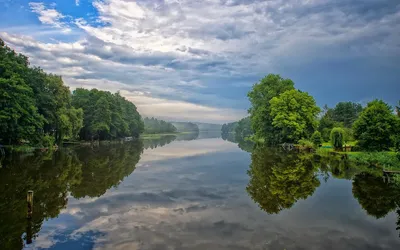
x: 196, y: 60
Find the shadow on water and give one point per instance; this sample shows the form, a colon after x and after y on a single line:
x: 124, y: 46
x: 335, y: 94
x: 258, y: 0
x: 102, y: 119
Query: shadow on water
x: 81, y: 171
x: 279, y: 179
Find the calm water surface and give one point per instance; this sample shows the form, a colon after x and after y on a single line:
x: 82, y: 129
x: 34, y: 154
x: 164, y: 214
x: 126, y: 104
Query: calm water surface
x: 194, y: 192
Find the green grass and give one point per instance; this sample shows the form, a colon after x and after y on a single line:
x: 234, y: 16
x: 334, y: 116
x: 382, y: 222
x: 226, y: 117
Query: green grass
x: 386, y: 160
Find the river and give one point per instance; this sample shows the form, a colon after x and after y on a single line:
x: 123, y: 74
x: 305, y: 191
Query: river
x: 194, y: 192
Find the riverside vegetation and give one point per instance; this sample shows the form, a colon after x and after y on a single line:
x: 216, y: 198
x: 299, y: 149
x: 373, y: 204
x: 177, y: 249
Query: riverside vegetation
x: 280, y: 113
x: 38, y: 110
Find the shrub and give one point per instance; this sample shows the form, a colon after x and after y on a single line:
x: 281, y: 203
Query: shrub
x: 337, y: 138
x: 48, y: 141
x: 306, y: 144
x: 316, y: 138
x: 326, y: 133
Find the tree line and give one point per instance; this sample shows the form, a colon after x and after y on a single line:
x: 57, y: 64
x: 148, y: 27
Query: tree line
x: 37, y: 108
x: 280, y: 113
x: 241, y: 128
x: 155, y: 126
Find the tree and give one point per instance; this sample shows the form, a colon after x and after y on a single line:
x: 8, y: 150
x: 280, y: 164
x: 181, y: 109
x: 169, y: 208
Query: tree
x: 243, y: 128
x: 346, y: 113
x: 293, y: 115
x: 106, y: 115
x: 260, y: 112
x: 316, y: 138
x: 154, y: 126
x: 19, y: 118
x: 337, y: 138
x: 375, y: 126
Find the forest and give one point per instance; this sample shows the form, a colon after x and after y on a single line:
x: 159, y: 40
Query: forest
x: 155, y: 126
x: 38, y: 109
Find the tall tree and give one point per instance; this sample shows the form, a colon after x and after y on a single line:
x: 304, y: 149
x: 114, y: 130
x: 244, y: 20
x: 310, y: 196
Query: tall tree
x: 294, y: 115
x: 375, y: 126
x: 260, y: 112
x: 346, y: 112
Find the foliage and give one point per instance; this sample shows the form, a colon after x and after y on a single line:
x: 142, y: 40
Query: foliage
x: 294, y: 115
x: 346, y: 113
x: 337, y: 138
x: 306, y: 144
x: 243, y: 128
x: 260, y: 112
x: 155, y: 126
x: 48, y: 141
x: 33, y: 103
x: 387, y: 160
x: 186, y: 127
x: 228, y: 128
x: 375, y: 126
x: 316, y: 138
x: 106, y: 115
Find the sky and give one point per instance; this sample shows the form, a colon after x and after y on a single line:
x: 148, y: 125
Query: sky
x: 186, y: 60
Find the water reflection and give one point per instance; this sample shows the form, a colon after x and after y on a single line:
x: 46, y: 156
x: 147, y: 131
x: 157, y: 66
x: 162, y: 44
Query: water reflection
x: 277, y: 180
x: 84, y: 171
x: 192, y: 195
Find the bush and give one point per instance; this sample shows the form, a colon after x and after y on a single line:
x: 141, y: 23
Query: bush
x: 306, y: 144
x: 337, y: 138
x: 326, y: 133
x: 48, y: 141
x: 316, y: 138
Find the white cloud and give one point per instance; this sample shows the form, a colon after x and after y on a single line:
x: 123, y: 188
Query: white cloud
x: 49, y: 16
x: 188, y: 55
x: 77, y: 2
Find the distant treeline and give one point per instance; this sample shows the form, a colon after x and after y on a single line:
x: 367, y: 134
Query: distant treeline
x: 37, y: 108
x: 186, y: 126
x: 241, y: 128
x: 155, y: 126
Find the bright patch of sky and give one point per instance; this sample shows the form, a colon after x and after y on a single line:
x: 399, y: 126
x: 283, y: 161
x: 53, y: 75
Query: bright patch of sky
x: 196, y: 60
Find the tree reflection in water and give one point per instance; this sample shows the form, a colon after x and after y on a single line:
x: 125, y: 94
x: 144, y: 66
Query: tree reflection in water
x: 80, y: 171
x: 279, y: 179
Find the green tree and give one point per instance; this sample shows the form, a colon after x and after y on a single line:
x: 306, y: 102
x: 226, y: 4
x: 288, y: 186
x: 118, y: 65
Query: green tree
x: 337, y: 138
x: 375, y: 126
x: 106, y: 115
x: 154, y: 126
x: 243, y: 128
x: 346, y: 113
x: 19, y: 118
x: 294, y: 115
x: 260, y: 112
x: 316, y: 138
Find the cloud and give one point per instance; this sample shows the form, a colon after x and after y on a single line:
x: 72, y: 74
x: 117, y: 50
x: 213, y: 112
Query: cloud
x: 199, y: 58
x: 49, y: 16
x: 77, y: 2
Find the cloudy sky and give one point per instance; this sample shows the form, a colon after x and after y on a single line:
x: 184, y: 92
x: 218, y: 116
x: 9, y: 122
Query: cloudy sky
x: 196, y: 60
